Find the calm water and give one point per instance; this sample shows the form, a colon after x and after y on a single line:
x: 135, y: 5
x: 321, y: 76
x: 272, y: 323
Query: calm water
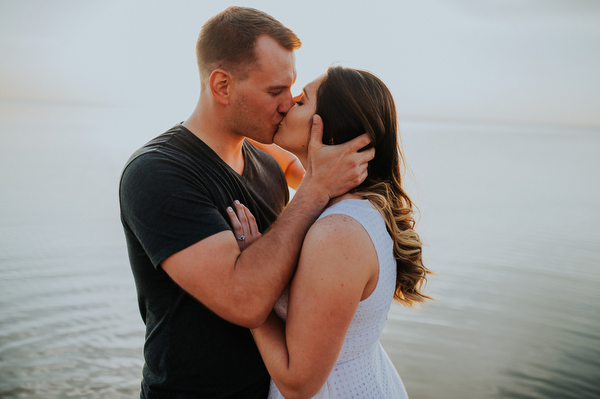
x: 509, y: 213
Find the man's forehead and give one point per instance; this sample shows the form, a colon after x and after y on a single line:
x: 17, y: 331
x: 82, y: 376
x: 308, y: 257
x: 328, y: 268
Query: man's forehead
x: 284, y: 79
x: 269, y: 52
x: 276, y: 74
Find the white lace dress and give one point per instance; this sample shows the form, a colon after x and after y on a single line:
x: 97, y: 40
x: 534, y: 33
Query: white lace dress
x: 363, y: 369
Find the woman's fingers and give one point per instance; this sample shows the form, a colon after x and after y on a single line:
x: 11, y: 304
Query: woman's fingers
x: 243, y: 224
x: 238, y: 229
x: 241, y: 214
x: 252, y: 227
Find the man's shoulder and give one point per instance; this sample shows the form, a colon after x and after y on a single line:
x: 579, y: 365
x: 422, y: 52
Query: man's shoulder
x: 155, y: 161
x: 174, y: 149
x: 166, y: 140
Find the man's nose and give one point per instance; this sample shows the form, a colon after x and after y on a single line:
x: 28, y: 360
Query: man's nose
x: 286, y: 104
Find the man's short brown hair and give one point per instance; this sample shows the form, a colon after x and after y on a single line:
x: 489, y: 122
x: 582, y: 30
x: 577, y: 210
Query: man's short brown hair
x: 228, y: 40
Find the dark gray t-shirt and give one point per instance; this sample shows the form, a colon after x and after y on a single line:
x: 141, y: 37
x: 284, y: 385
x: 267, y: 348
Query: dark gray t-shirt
x: 174, y: 192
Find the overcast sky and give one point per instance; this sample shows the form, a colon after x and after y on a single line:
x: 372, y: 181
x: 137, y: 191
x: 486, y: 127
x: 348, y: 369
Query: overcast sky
x: 533, y: 61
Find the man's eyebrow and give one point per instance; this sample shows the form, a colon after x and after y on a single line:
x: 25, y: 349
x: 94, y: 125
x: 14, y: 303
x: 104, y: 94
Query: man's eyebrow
x: 280, y: 87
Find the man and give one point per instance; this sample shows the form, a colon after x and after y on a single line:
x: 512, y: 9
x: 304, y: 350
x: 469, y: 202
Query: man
x: 197, y: 291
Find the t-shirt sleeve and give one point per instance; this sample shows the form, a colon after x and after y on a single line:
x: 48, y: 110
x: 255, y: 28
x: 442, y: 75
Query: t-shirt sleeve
x: 165, y: 208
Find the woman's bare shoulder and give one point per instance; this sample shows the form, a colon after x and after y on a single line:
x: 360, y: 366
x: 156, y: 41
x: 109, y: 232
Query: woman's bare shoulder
x: 338, y: 224
x: 340, y: 233
x: 338, y: 252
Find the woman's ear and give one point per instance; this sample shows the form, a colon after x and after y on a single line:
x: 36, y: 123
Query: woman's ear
x: 219, y: 83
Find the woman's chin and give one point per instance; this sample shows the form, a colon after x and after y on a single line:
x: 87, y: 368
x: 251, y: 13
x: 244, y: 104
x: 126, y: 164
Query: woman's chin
x: 286, y: 145
x: 280, y: 143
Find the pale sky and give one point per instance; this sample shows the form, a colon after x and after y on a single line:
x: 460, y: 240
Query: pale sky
x: 516, y: 61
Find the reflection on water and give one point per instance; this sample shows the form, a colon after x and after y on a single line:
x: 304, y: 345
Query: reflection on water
x: 69, y: 320
x: 510, y: 218
x: 65, y: 331
x: 509, y: 215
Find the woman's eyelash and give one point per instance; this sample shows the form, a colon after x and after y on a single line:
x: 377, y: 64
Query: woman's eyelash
x: 299, y: 103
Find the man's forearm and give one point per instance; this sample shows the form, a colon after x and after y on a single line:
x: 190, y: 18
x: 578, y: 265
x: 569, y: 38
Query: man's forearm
x: 266, y: 267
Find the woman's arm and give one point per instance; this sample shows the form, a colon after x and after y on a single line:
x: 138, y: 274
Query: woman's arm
x: 294, y: 172
x: 337, y: 269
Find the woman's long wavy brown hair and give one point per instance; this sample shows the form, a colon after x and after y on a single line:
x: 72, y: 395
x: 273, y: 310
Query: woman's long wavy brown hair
x: 352, y: 102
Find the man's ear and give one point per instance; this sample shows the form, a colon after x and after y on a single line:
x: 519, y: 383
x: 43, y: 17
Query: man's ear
x: 219, y: 83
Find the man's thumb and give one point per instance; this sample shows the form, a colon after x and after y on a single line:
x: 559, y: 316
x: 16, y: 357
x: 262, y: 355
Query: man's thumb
x: 316, y: 130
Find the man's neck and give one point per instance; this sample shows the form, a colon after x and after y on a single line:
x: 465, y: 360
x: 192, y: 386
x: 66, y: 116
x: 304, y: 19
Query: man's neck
x: 226, y: 145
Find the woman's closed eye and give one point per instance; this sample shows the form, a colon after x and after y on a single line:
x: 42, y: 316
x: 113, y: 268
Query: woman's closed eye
x: 299, y: 103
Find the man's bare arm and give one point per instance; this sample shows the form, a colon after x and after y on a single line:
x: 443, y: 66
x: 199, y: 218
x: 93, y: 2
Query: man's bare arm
x: 243, y: 286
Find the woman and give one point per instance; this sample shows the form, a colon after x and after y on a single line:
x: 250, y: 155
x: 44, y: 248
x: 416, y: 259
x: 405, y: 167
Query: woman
x: 359, y: 255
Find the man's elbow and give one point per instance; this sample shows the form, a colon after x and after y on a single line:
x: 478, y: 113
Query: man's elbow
x: 300, y: 383
x: 305, y: 390
x: 251, y: 314
x: 251, y: 321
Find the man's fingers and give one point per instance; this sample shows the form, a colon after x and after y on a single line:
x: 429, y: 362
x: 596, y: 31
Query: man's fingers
x: 363, y: 176
x: 361, y: 164
x: 359, y: 142
x: 367, y: 155
x: 361, y: 159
